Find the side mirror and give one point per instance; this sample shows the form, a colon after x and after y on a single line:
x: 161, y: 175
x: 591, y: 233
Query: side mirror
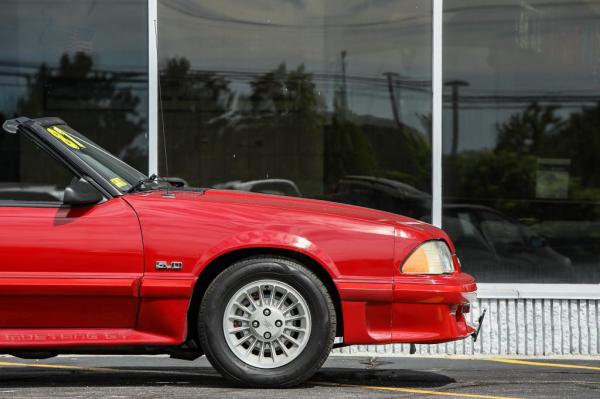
x: 176, y: 181
x: 81, y: 192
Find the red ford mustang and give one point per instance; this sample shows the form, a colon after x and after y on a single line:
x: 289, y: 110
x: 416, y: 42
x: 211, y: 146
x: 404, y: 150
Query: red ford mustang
x: 120, y: 262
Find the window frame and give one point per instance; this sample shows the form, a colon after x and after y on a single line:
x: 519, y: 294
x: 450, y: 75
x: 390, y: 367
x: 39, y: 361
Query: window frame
x: 78, y: 168
x: 35, y: 128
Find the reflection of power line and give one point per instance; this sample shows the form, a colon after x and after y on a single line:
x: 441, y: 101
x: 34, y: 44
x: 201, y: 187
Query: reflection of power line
x: 357, y: 84
x: 422, y: 86
x: 530, y: 98
x: 95, y: 75
x: 455, y: 85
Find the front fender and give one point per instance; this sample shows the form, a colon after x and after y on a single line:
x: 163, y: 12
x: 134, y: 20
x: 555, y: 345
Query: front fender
x: 267, y: 239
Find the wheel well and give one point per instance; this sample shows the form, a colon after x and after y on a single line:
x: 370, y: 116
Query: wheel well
x: 219, y: 264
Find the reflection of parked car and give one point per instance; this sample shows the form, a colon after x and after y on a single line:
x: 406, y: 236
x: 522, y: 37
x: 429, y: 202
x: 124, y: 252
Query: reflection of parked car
x: 266, y: 186
x: 577, y: 239
x: 30, y: 192
x: 491, y: 246
x: 385, y: 194
x: 496, y: 247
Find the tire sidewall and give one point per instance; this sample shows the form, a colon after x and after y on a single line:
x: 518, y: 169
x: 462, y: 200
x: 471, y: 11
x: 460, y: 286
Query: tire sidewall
x: 213, y: 310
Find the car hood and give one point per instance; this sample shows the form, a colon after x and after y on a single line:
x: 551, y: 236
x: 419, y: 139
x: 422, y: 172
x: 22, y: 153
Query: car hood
x: 304, y: 205
x: 296, y: 205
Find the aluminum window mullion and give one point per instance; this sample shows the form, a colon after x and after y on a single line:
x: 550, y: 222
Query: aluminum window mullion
x: 152, y: 87
x: 436, y: 128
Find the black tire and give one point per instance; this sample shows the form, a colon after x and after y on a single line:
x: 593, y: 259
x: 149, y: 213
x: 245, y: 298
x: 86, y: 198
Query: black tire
x: 226, y: 284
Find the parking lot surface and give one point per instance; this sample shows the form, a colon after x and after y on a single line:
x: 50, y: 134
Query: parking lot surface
x: 120, y: 377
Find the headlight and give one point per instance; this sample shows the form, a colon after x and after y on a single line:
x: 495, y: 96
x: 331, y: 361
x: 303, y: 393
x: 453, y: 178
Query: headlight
x: 432, y: 257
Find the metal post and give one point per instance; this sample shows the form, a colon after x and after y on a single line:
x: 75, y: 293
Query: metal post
x: 152, y: 88
x: 437, y: 89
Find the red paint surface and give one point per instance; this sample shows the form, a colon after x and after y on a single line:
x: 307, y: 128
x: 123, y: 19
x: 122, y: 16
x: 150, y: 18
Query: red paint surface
x: 73, y: 278
x: 62, y: 268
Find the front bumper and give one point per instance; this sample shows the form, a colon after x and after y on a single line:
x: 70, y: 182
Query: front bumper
x: 414, y: 309
x: 432, y: 309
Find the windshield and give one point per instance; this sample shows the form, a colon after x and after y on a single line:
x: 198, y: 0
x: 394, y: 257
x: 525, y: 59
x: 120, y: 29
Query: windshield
x: 117, y: 172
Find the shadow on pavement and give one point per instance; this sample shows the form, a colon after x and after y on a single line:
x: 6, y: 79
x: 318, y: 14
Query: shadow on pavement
x: 204, y: 377
x: 382, y: 377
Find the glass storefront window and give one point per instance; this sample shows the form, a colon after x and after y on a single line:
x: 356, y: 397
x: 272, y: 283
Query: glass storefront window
x: 322, y: 99
x: 522, y: 139
x: 83, y: 61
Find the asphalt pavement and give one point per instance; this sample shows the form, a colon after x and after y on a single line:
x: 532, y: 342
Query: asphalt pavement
x: 120, y: 377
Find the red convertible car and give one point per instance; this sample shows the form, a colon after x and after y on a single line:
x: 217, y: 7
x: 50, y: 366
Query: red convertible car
x: 265, y: 286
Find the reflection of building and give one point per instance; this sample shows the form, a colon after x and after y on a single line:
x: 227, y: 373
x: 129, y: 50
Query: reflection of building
x: 335, y: 102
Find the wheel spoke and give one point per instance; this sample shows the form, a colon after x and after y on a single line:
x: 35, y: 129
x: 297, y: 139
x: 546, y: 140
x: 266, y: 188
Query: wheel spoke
x: 261, y: 351
x: 294, y: 328
x: 252, y: 301
x: 292, y: 340
x: 244, y: 339
x: 238, y: 318
x: 238, y: 329
x: 283, y: 348
x: 283, y: 298
x: 272, y: 297
x: 244, y: 308
x: 261, y: 295
x: 251, y: 347
x: 292, y: 306
x: 298, y: 317
x: 273, y: 354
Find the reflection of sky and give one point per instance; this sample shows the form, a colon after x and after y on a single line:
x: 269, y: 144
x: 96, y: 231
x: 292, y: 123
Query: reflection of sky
x: 34, y: 31
x: 378, y: 36
x: 516, y: 49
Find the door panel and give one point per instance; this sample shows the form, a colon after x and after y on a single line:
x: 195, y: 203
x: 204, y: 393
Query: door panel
x: 70, y: 267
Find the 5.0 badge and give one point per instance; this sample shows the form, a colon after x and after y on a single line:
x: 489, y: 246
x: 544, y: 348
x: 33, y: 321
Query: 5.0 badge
x: 164, y: 265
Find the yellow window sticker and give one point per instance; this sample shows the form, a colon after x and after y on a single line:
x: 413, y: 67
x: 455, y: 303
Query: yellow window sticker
x: 65, y: 137
x: 118, y: 182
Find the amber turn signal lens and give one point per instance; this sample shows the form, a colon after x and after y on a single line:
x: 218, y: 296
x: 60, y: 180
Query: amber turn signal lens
x: 432, y: 257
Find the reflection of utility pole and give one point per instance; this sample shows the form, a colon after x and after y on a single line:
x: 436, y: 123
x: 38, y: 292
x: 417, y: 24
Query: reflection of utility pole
x: 393, y: 89
x: 343, y: 89
x: 455, y: 85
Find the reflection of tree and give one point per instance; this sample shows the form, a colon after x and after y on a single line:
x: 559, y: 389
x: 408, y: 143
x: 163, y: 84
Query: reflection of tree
x: 282, y: 92
x: 579, y: 141
x: 191, y: 100
x: 365, y: 145
x: 402, y: 154
x: 495, y: 175
x: 347, y: 148
x: 347, y: 151
x: 286, y: 119
x: 274, y: 131
x: 205, y: 95
x: 91, y: 101
x: 275, y: 125
x: 525, y: 132
x: 506, y: 176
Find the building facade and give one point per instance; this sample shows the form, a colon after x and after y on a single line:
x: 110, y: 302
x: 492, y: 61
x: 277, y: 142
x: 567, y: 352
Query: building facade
x: 482, y: 117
